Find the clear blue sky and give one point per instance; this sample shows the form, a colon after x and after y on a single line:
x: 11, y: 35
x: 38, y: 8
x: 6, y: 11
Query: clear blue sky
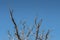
x: 48, y: 10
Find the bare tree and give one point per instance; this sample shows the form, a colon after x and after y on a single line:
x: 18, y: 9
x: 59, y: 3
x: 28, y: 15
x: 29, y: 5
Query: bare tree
x: 30, y: 32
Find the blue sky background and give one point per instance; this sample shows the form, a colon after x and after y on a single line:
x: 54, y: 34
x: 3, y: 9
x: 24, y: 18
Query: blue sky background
x: 48, y: 10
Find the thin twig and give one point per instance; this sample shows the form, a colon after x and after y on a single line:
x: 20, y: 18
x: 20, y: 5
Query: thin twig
x: 46, y: 37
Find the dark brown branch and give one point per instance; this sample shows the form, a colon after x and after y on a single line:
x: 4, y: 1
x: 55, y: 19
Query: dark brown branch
x: 46, y: 37
x: 15, y: 25
x: 37, y: 29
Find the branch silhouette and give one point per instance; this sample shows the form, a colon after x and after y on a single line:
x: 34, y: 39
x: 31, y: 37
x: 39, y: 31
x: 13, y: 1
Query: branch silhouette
x: 24, y: 36
x: 15, y: 25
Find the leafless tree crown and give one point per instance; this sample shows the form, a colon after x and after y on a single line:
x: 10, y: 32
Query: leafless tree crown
x: 30, y: 32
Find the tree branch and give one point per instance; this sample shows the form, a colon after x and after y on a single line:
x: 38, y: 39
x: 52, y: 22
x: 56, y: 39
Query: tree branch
x: 15, y: 25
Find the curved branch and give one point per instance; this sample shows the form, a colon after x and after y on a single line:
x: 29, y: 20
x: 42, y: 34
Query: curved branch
x: 15, y: 25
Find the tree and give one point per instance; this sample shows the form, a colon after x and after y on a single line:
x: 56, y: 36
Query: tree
x: 30, y: 33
